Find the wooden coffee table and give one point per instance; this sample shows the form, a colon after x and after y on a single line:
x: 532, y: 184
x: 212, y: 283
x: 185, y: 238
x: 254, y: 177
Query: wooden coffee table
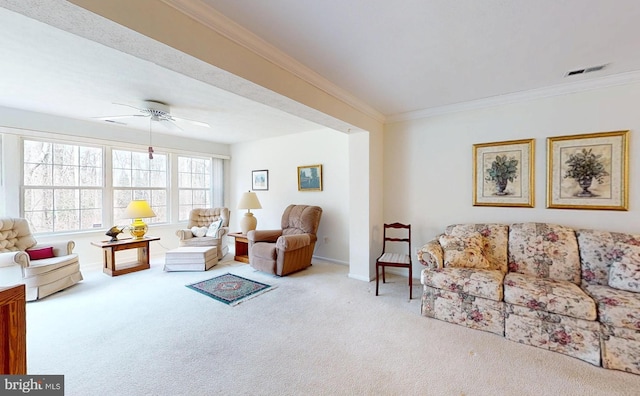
x: 242, y: 247
x: 110, y: 249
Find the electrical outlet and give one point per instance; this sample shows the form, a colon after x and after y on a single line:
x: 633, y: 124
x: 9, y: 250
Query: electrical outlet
x: 326, y: 240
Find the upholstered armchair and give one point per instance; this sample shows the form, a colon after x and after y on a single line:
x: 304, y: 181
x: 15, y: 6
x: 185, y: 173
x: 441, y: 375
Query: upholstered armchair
x: 281, y: 252
x: 43, y: 268
x: 196, y: 235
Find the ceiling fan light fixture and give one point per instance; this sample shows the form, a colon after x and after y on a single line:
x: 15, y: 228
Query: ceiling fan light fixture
x: 156, y: 111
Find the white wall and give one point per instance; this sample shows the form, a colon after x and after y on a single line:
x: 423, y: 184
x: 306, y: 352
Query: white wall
x: 428, y: 162
x: 281, y: 156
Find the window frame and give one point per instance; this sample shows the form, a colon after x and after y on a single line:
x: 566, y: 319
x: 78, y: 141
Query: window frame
x: 79, y: 188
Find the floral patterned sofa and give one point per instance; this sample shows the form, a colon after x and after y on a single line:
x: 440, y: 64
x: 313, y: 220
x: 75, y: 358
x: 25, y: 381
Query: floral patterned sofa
x: 576, y: 292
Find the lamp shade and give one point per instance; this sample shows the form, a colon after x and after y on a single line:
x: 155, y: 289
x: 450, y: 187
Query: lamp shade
x: 138, y: 208
x: 249, y: 200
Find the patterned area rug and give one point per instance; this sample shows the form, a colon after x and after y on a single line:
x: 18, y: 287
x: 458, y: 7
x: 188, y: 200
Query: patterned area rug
x: 230, y: 289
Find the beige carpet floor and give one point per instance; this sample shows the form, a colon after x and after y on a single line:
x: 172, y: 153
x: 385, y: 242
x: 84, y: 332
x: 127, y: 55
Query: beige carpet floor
x: 318, y: 333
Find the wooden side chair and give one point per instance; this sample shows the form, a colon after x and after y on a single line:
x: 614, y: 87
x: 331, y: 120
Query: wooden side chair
x: 389, y: 259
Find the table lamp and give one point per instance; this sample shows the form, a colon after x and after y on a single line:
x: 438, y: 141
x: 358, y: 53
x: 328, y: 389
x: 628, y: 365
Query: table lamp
x: 249, y: 200
x: 136, y: 210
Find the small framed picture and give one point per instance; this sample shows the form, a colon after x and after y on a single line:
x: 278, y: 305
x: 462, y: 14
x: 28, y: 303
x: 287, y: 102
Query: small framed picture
x: 310, y: 178
x: 503, y: 173
x: 588, y: 171
x: 260, y: 180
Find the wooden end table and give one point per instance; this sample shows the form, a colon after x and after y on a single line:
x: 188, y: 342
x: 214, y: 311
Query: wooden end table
x: 242, y: 247
x: 110, y: 249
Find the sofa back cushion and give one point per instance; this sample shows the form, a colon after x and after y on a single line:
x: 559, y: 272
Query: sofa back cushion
x: 598, y: 249
x: 464, y: 252
x: 15, y: 235
x: 203, y: 217
x: 495, y: 240
x: 625, y: 274
x: 545, y: 251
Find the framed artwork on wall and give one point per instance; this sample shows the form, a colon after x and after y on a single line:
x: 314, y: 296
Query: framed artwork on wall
x: 588, y: 171
x: 310, y: 178
x: 260, y: 180
x: 503, y: 173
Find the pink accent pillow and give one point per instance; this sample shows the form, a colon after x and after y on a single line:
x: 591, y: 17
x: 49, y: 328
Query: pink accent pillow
x: 41, y: 253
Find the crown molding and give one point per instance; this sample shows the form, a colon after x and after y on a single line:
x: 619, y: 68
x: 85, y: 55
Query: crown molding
x: 213, y: 19
x: 517, y: 97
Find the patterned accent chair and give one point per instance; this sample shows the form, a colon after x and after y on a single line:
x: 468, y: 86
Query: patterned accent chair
x: 204, y: 218
x: 610, y: 264
x: 460, y: 294
x: 544, y: 304
x: 281, y: 252
x: 57, y: 269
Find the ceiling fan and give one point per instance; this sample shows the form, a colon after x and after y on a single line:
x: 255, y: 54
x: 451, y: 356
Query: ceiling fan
x: 156, y: 111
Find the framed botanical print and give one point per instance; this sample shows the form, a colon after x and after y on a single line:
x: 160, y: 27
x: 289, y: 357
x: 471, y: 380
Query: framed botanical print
x: 588, y: 171
x: 503, y: 173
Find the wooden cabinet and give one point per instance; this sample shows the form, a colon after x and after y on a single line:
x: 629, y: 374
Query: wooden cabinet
x: 13, y: 330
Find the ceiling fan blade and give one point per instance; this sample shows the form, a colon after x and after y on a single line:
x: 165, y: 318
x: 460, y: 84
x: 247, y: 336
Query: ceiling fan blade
x: 170, y: 124
x: 119, y: 117
x: 124, y: 104
x: 116, y: 122
x: 194, y: 122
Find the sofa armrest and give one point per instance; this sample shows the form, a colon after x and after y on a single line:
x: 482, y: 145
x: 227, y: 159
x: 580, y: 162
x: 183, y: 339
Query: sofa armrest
x: 293, y: 242
x: 8, y: 259
x: 431, y: 255
x: 222, y: 231
x: 184, y: 234
x: 263, y: 235
x: 59, y: 248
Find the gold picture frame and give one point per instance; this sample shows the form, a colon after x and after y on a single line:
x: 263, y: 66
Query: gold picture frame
x: 503, y: 173
x: 588, y: 171
x: 310, y: 178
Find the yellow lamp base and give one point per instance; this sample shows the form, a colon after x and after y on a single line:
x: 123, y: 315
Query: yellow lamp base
x: 138, y: 229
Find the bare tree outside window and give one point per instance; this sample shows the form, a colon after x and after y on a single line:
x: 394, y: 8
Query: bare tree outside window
x: 63, y: 186
x: 135, y: 176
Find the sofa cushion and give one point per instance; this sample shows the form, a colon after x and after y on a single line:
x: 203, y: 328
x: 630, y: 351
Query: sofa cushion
x: 544, y: 251
x: 495, y: 240
x: 213, y: 228
x: 619, y: 308
x: 39, y: 267
x: 598, y: 249
x: 466, y: 252
x: 550, y: 295
x: 40, y: 253
x: 476, y: 282
x: 624, y: 274
x: 199, y: 231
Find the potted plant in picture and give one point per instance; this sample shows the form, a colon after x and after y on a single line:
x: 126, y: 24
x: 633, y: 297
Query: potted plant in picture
x: 583, y: 167
x: 502, y: 171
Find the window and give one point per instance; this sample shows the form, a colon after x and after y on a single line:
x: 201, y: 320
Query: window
x: 194, y: 185
x: 62, y: 186
x: 135, y: 176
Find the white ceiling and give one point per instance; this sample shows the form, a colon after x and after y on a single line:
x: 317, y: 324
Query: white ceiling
x: 397, y: 57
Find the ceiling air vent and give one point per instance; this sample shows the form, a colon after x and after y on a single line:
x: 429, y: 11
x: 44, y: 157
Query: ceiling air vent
x: 585, y: 70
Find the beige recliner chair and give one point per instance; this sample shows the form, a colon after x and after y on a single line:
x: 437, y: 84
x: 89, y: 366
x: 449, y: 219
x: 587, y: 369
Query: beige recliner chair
x: 203, y: 218
x: 43, y: 268
x: 281, y: 252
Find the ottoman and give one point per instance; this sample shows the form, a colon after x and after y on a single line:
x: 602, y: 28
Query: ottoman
x: 191, y: 258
